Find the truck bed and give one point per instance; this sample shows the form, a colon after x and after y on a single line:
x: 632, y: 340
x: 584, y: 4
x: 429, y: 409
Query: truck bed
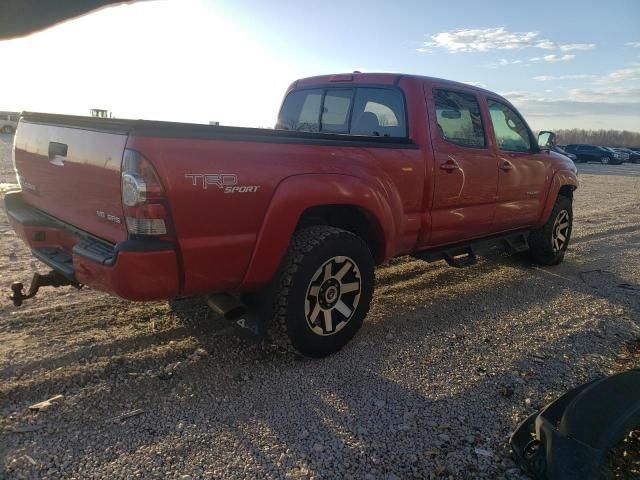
x: 155, y: 128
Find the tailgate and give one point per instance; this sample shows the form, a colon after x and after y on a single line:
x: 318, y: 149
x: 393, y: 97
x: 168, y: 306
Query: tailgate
x: 73, y: 174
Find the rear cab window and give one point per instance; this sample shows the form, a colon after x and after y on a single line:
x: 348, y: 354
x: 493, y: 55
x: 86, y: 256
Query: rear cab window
x: 370, y: 111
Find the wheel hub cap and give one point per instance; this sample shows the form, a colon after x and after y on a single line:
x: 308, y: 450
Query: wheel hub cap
x: 333, y: 295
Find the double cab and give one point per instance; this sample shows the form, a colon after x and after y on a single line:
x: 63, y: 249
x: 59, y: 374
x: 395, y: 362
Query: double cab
x: 283, y: 227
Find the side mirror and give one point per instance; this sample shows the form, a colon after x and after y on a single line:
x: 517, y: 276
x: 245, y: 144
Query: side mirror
x: 546, y: 139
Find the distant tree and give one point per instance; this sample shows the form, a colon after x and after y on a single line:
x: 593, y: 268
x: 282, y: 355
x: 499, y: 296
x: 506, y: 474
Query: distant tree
x: 609, y: 138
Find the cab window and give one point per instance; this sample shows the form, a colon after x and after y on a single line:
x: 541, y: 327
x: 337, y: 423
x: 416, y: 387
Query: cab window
x: 301, y: 111
x: 356, y: 111
x: 510, y: 130
x: 458, y: 117
x: 378, y: 112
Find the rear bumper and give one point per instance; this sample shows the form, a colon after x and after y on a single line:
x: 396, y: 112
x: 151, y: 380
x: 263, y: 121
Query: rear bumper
x: 134, y: 269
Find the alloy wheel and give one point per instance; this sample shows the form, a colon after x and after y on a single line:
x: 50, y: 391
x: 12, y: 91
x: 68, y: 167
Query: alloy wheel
x: 560, y: 233
x: 333, y: 295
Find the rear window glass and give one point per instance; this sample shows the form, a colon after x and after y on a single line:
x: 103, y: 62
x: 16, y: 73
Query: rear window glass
x: 368, y: 111
x: 335, y: 114
x: 301, y: 111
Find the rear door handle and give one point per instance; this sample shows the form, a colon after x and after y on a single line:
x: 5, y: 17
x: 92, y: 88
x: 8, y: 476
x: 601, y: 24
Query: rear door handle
x: 505, y: 166
x: 449, y: 166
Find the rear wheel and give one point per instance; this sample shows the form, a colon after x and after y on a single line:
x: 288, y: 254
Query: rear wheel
x: 324, y: 290
x: 549, y: 243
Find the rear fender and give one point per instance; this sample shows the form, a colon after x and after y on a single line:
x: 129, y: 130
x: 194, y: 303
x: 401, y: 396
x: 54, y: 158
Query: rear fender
x: 298, y: 193
x: 560, y: 179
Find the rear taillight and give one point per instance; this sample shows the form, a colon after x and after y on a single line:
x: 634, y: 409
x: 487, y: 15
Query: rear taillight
x: 143, y: 198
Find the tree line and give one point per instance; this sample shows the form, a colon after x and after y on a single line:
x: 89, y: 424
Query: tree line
x: 607, y: 138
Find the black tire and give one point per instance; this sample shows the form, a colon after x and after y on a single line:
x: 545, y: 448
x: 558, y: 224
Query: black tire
x: 7, y: 129
x: 605, y: 160
x: 294, y: 302
x: 543, y: 241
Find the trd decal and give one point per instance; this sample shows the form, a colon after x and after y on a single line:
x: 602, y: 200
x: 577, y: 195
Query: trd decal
x: 227, y: 182
x: 220, y: 180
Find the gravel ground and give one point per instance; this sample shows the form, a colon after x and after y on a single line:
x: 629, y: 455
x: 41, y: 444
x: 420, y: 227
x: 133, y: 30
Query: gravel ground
x: 447, y: 364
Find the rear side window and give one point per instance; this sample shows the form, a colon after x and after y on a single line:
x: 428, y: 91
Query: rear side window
x: 379, y: 112
x: 511, y: 132
x: 359, y: 111
x: 301, y: 111
x: 458, y: 117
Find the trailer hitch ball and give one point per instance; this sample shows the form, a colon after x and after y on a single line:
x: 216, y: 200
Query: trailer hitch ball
x: 51, y: 279
x: 17, y: 296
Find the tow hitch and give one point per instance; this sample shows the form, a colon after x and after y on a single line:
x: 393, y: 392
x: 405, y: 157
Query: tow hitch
x: 51, y: 279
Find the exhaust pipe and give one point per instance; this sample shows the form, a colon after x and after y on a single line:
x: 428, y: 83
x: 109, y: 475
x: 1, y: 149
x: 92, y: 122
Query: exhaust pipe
x: 250, y: 324
x: 227, y: 305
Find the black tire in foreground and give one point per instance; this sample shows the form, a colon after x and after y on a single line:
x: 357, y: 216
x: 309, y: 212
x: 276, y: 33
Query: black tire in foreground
x: 549, y: 243
x: 324, y: 289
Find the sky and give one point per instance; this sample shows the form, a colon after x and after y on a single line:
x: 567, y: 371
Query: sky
x: 564, y: 64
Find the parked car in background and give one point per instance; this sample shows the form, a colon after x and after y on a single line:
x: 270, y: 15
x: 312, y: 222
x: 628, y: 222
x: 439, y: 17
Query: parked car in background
x: 8, y: 121
x: 634, y: 156
x: 594, y: 153
x: 623, y: 156
x: 562, y: 151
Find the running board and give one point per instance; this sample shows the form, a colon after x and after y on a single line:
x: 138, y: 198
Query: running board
x: 465, y: 254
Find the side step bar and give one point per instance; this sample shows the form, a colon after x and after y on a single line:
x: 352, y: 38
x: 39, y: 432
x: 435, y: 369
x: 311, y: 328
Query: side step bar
x: 464, y: 254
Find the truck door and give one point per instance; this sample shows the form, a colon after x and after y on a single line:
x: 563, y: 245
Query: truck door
x: 465, y: 173
x: 523, y: 171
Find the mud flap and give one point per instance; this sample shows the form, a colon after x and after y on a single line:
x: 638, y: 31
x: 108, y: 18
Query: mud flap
x: 569, y: 439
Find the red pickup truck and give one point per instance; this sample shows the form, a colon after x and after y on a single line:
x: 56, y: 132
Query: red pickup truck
x: 359, y: 169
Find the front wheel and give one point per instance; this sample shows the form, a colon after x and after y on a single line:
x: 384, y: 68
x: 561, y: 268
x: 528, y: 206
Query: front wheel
x: 324, y: 290
x: 549, y: 243
x: 605, y: 160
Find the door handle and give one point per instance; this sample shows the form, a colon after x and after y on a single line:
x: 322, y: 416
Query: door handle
x: 449, y: 166
x: 505, y: 166
x: 57, y: 149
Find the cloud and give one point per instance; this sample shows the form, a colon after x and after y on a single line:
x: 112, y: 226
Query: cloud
x: 633, y: 44
x: 579, y: 102
x: 553, y: 58
x: 546, y: 78
x: 476, y: 84
x: 546, y: 44
x: 577, y: 46
x: 606, y: 95
x: 481, y: 40
x: 494, y: 38
x: 503, y: 62
x: 621, y: 75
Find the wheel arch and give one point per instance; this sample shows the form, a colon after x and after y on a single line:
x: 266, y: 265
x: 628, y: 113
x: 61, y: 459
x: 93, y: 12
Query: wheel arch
x: 564, y: 183
x: 337, y: 200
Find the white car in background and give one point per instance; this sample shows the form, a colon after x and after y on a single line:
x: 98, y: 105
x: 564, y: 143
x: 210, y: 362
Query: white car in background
x: 8, y: 121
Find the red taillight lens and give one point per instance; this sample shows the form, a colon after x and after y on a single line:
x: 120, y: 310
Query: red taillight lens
x: 143, y: 197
